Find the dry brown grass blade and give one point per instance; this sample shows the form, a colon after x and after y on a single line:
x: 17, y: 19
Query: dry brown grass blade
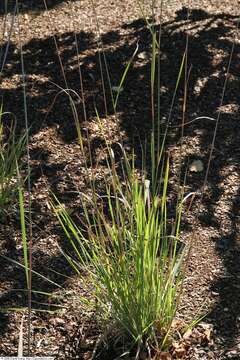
x: 20, y: 341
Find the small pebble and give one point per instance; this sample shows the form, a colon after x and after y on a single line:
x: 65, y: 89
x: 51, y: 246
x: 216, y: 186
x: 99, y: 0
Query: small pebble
x: 196, y: 166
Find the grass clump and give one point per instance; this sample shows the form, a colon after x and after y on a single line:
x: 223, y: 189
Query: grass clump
x: 129, y: 251
x: 125, y: 241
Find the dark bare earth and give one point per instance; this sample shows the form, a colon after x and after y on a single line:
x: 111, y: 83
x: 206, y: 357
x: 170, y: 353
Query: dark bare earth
x: 212, y: 285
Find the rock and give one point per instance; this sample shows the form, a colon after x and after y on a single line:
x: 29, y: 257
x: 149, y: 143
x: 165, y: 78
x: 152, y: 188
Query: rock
x: 196, y: 166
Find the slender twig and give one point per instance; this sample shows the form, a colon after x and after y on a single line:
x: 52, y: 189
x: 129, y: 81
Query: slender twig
x: 185, y: 83
x: 100, y: 51
x: 79, y: 63
x: 30, y: 234
x: 159, y: 76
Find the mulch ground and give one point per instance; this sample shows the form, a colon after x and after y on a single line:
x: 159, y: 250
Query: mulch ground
x: 212, y: 227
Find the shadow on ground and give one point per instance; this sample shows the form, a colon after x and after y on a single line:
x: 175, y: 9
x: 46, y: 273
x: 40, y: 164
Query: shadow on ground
x: 8, y: 6
x: 210, y: 43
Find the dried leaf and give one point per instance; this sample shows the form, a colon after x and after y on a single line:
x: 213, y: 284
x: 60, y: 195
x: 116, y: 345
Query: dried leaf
x: 187, y: 334
x: 180, y: 351
x: 117, y: 89
x: 143, y: 55
x: 163, y: 355
x: 208, y: 332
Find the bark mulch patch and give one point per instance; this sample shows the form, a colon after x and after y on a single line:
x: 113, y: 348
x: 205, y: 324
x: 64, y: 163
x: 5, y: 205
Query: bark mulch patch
x: 212, y: 226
